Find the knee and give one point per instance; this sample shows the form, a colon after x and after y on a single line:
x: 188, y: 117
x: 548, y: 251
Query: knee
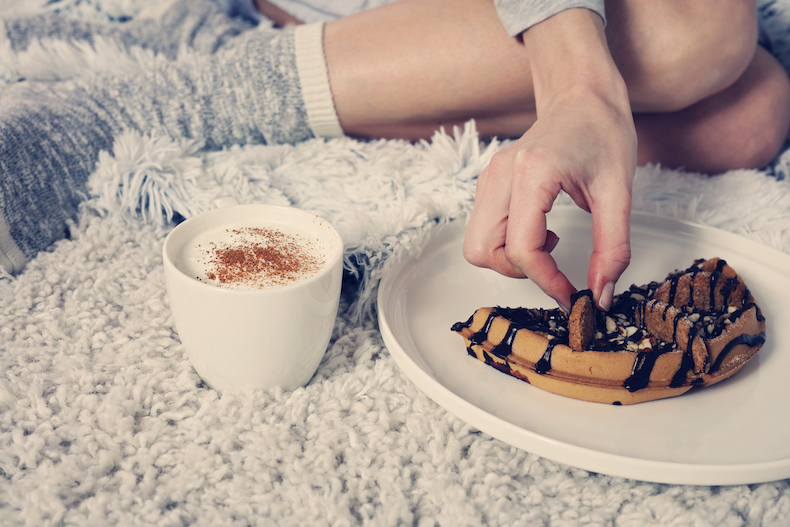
x: 743, y: 126
x: 753, y: 130
x: 680, y: 52
x: 714, y: 48
x: 766, y: 116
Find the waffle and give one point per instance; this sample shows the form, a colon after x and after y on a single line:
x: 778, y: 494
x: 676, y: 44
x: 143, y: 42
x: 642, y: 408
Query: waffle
x: 699, y: 326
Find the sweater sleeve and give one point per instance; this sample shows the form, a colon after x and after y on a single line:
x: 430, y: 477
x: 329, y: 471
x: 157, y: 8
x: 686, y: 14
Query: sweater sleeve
x: 519, y: 15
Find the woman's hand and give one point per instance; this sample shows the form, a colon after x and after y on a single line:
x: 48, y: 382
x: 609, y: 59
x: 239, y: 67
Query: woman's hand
x: 583, y: 143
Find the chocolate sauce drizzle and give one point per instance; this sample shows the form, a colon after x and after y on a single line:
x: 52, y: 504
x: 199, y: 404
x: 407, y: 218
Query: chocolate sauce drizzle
x: 643, y: 366
x: 544, y: 364
x: 554, y: 324
x: 749, y: 340
x: 504, y: 348
x: 551, y: 322
x: 686, y: 365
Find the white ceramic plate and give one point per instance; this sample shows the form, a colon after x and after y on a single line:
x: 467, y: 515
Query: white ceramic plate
x: 735, y: 432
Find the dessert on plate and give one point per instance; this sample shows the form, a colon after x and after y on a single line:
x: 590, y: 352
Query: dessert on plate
x: 699, y: 326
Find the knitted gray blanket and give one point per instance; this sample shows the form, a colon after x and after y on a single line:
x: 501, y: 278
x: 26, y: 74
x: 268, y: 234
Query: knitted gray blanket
x: 103, y: 420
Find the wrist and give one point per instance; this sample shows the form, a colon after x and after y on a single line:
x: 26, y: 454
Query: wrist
x: 569, y: 58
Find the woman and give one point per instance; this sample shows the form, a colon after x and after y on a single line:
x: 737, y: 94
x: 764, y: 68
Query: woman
x: 589, y: 94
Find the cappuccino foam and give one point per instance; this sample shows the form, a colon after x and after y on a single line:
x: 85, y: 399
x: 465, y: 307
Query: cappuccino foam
x: 251, y: 257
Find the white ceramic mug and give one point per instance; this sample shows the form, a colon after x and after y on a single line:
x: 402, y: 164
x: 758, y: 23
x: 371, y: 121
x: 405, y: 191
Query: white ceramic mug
x: 261, y: 338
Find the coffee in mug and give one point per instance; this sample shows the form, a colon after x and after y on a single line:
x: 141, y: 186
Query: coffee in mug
x: 254, y: 291
x: 243, y: 257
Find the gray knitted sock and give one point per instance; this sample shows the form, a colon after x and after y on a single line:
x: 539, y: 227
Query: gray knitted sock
x: 51, y: 134
x: 200, y: 25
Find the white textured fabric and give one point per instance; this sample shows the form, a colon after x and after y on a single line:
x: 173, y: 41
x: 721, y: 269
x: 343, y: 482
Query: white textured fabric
x: 8, y: 70
x: 103, y: 421
x: 155, y: 10
x: 314, y: 79
x: 11, y: 258
x: 310, y: 11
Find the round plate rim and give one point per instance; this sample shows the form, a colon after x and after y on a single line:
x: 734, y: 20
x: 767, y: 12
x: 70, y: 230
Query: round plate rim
x: 563, y: 452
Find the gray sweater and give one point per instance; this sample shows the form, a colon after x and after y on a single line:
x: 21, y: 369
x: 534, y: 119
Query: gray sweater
x: 516, y: 15
x: 519, y: 15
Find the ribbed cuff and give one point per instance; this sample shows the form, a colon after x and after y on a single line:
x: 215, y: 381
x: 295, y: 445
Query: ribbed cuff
x: 311, y: 66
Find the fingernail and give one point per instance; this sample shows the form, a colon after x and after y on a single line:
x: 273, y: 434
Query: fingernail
x: 607, y: 294
x: 551, y: 243
x: 564, y: 307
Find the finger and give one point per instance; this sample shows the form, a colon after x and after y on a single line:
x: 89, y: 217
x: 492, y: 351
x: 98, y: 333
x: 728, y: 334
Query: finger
x: 529, y: 244
x: 611, y: 245
x: 541, y: 268
x: 551, y: 241
x: 484, y: 240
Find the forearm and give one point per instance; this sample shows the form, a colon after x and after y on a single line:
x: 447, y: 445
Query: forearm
x: 583, y: 143
x: 569, y: 57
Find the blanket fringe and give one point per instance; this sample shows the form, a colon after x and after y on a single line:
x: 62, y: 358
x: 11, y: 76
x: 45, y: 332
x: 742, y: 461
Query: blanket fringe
x: 150, y: 178
x: 392, y: 211
x: 50, y: 60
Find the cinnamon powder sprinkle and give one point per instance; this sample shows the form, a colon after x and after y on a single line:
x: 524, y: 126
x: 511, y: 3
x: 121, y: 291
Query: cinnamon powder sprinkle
x: 258, y: 258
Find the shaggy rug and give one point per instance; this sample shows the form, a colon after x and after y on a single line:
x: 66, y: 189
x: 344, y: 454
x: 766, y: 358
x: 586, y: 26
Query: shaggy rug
x: 103, y: 421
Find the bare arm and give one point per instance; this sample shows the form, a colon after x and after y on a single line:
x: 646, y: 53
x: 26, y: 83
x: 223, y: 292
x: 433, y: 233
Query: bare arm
x: 583, y: 143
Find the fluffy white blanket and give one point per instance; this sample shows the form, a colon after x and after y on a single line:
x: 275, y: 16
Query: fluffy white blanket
x: 103, y: 420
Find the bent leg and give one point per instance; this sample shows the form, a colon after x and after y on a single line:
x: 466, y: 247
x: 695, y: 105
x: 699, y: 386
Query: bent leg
x: 51, y: 134
x: 417, y: 60
x: 408, y: 68
x: 411, y: 66
x: 743, y: 126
